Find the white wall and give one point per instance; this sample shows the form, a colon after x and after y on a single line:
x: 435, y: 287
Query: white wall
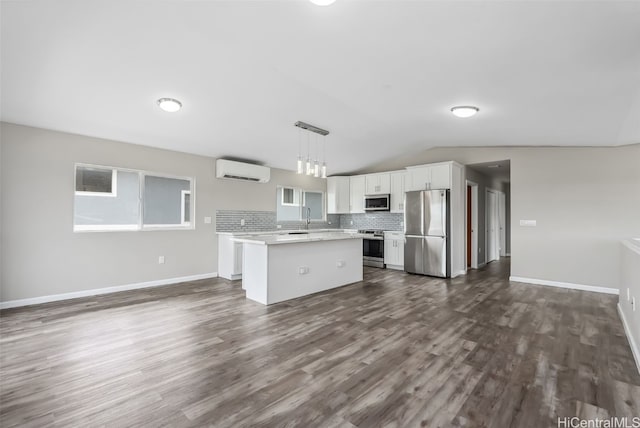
x: 42, y: 256
x: 585, y: 200
x: 630, y: 268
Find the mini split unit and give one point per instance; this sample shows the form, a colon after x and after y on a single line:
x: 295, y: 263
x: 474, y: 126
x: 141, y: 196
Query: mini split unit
x: 233, y: 170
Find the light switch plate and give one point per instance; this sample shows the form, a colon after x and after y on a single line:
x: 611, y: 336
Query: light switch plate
x: 207, y: 220
x: 528, y: 223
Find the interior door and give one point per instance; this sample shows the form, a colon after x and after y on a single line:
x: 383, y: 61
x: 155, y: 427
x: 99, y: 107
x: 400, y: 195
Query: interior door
x: 413, y: 254
x: 492, y: 227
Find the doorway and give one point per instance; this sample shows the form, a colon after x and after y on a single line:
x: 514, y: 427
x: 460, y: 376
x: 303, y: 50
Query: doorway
x: 495, y: 221
x: 471, y: 226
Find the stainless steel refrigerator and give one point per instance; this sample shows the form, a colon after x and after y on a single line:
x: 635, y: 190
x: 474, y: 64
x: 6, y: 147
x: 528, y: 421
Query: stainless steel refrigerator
x: 427, y: 250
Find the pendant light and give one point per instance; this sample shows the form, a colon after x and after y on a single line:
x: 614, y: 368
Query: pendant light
x: 316, y: 166
x: 309, y: 172
x: 324, y: 158
x: 307, y: 167
x: 299, y: 169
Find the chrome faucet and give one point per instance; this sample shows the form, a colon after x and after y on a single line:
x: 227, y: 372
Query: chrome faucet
x: 308, y: 218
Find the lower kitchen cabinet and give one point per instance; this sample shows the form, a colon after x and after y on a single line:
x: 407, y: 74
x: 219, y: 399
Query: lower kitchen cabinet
x: 229, y: 257
x: 394, y: 250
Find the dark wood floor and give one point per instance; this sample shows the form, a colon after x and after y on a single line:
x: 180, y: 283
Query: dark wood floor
x: 396, y: 350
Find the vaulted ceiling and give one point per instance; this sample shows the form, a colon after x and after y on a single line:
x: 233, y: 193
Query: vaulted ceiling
x: 381, y: 76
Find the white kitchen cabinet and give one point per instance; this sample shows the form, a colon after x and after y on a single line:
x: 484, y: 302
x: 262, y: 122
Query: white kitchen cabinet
x: 356, y: 194
x: 426, y: 177
x: 338, y: 200
x: 397, y: 180
x: 440, y: 176
x: 394, y: 250
x: 376, y: 184
x: 229, y: 257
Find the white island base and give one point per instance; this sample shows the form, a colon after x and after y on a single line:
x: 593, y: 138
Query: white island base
x: 275, y: 273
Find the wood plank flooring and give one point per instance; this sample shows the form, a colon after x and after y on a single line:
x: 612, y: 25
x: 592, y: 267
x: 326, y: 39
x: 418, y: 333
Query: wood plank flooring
x: 395, y: 350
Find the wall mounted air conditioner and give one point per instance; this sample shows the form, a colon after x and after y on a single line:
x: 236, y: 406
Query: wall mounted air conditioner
x: 233, y: 170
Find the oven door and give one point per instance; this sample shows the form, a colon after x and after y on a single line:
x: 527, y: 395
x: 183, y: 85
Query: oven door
x: 373, y: 252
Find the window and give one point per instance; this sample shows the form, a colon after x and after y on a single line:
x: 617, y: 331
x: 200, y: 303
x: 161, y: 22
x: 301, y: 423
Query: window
x: 185, y: 214
x: 96, y: 181
x: 139, y: 200
x: 289, y: 207
x: 290, y: 196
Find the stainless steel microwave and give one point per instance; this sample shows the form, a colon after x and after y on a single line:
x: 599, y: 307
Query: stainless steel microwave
x: 377, y: 202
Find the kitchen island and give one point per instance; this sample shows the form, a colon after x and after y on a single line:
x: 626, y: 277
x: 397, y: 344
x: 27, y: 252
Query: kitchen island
x: 286, y: 266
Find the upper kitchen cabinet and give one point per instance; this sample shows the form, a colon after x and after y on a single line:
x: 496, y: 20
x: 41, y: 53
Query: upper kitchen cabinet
x: 397, y: 180
x: 427, y: 177
x: 376, y: 184
x: 356, y: 194
x: 338, y: 200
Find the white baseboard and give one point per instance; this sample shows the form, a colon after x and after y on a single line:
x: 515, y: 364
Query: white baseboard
x: 632, y: 343
x: 460, y: 272
x: 507, y: 254
x: 97, y: 291
x: 570, y: 285
x: 483, y: 264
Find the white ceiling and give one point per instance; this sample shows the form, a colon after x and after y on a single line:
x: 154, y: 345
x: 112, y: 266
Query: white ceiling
x: 381, y: 76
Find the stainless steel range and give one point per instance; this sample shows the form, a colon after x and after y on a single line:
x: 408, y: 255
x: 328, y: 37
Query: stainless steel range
x: 372, y: 248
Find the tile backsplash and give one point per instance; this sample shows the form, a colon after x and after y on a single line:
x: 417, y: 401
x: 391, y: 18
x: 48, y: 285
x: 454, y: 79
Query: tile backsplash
x: 381, y: 221
x: 262, y: 221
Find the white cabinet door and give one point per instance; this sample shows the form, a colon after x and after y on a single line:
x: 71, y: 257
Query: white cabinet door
x: 356, y: 194
x: 418, y: 178
x: 400, y: 248
x: 394, y: 249
x: 397, y: 180
x: 237, y: 262
x: 430, y: 177
x: 338, y: 195
x: 440, y: 176
x: 376, y: 184
x: 389, y: 252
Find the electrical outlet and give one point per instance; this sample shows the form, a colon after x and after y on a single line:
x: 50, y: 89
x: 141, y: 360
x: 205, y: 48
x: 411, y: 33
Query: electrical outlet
x: 207, y: 220
x: 161, y: 260
x: 351, y: 223
x: 278, y: 226
x: 242, y: 222
x: 340, y: 263
x: 303, y: 270
x: 528, y: 223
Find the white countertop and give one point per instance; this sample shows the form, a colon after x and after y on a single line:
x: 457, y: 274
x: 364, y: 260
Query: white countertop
x: 284, y: 238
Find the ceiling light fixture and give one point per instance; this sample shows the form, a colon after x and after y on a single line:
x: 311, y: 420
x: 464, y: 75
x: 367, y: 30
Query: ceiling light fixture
x: 323, y: 2
x: 314, y: 169
x: 169, y: 105
x: 464, y: 111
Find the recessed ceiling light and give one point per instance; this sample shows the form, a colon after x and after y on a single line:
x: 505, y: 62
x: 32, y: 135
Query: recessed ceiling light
x: 464, y: 111
x: 169, y: 104
x: 493, y: 166
x: 323, y: 2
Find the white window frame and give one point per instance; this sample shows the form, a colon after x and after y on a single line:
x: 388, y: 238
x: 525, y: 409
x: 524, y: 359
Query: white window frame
x: 114, y: 182
x: 296, y: 197
x: 183, y: 195
x: 140, y: 226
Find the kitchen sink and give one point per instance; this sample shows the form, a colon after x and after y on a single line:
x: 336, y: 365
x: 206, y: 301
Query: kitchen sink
x: 298, y: 232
